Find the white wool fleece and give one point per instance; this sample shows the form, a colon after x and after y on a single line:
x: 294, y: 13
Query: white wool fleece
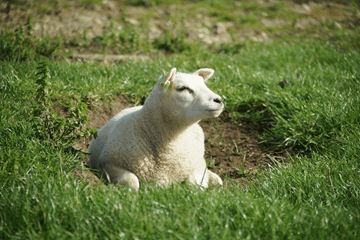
x: 161, y: 140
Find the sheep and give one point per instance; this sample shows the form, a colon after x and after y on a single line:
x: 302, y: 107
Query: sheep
x: 160, y: 141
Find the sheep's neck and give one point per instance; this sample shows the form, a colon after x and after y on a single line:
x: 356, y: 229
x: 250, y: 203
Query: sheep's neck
x: 159, y: 127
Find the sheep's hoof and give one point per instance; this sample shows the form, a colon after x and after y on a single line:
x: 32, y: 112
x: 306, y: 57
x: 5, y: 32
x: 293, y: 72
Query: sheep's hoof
x: 122, y: 176
x: 214, y: 179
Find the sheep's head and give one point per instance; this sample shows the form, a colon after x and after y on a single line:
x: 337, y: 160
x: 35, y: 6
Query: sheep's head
x: 186, y: 96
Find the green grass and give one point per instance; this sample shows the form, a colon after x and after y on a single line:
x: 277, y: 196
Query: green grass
x: 318, y: 112
x: 67, y: 209
x: 313, y: 196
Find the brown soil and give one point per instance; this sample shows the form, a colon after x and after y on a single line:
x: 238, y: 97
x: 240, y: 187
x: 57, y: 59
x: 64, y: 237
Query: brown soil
x: 231, y: 150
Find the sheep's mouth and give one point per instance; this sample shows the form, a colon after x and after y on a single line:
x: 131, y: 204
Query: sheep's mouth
x: 215, y: 112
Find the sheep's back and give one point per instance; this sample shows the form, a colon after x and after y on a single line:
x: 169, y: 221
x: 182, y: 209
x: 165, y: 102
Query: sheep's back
x: 100, y: 146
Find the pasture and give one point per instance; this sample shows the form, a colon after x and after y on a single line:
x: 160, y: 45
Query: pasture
x: 287, y: 145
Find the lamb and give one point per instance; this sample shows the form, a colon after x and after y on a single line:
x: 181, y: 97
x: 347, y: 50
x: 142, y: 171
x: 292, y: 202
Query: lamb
x: 160, y: 141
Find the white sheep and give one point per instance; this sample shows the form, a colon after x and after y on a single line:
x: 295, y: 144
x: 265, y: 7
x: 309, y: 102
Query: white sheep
x: 162, y: 139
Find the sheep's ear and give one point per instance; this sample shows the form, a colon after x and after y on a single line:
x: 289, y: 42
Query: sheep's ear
x: 167, y: 79
x: 206, y: 73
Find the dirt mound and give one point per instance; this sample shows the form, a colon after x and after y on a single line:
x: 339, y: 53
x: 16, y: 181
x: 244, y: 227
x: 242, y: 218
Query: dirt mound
x: 99, y: 115
x: 231, y: 150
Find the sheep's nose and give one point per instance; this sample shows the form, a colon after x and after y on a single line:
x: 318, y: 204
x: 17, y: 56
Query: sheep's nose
x: 218, y: 100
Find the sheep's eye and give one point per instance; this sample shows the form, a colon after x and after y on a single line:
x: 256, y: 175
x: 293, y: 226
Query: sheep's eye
x: 183, y: 88
x: 180, y: 89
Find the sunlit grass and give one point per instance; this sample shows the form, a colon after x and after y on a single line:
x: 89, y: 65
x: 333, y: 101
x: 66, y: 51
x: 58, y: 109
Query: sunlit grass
x: 304, y: 88
x: 316, y: 112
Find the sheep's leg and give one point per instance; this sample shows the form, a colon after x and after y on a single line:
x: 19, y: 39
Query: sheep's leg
x: 122, y: 176
x: 214, y: 179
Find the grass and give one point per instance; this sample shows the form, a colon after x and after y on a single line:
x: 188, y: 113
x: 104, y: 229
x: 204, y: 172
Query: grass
x: 293, y: 200
x: 313, y: 196
x: 153, y: 213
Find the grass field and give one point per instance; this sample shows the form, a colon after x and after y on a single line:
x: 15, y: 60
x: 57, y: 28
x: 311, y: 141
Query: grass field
x: 316, y: 113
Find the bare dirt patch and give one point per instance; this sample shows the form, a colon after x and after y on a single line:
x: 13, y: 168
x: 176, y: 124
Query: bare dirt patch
x: 231, y: 150
x: 108, y: 58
